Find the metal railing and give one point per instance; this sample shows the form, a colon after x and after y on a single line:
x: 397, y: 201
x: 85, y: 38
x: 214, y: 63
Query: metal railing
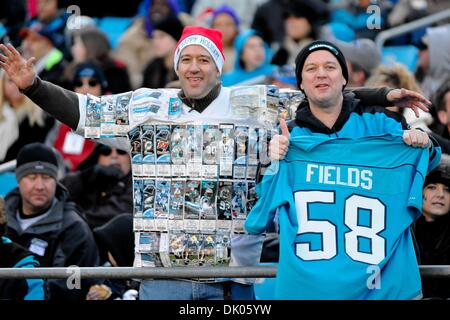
x: 383, y: 36
x: 429, y: 271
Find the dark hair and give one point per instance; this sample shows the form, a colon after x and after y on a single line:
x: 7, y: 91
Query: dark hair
x: 439, y: 96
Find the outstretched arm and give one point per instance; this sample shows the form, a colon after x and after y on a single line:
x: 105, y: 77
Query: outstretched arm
x: 387, y: 97
x: 60, y: 103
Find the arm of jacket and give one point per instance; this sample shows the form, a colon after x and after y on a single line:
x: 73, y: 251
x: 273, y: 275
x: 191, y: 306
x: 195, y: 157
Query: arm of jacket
x: 110, y: 204
x: 76, y: 248
x: 372, y: 96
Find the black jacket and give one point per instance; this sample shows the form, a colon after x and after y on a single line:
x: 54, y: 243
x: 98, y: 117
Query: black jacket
x: 63, y: 236
x: 433, y: 244
x: 14, y: 256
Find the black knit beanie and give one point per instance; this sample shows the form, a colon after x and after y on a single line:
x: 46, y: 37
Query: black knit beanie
x: 117, y: 237
x: 36, y: 158
x: 441, y: 174
x: 170, y: 25
x: 314, y: 46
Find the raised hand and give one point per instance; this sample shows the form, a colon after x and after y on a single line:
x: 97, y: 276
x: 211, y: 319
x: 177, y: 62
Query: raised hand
x: 404, y: 98
x: 279, y: 144
x: 19, y: 70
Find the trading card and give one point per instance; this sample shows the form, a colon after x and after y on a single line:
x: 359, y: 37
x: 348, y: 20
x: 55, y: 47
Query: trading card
x: 226, y: 150
x: 223, y: 249
x: 192, y: 205
x: 134, y: 137
x: 239, y: 200
x: 122, y: 106
x: 194, y: 150
x: 149, y: 205
x: 224, y: 197
x: 138, y: 223
x: 176, y: 207
x: 93, y: 117
x: 149, y: 242
x: 148, y: 145
x: 178, y: 146
x: 207, y: 254
x: 177, y: 248
x: 246, y: 101
x: 162, y: 199
x: 208, y: 214
x: 192, y: 248
x: 211, y: 136
x: 162, y: 137
x: 252, y: 152
x: 241, y: 150
x: 252, y: 196
x: 108, y: 121
x: 138, y: 190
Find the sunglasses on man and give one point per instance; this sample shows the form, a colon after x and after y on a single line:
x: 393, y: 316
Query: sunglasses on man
x: 91, y: 82
x: 106, y: 151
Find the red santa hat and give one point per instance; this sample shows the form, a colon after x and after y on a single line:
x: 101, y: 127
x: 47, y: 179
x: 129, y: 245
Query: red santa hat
x: 210, y: 39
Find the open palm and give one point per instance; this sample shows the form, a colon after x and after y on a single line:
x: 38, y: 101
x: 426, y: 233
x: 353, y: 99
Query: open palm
x: 19, y: 70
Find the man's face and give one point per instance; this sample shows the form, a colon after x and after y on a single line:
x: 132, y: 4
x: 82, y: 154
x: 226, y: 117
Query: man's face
x: 37, y: 191
x: 436, y: 200
x: 322, y: 78
x: 116, y: 158
x: 197, y: 72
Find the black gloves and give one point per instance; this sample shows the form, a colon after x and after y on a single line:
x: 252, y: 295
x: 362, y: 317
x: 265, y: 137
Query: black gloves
x: 101, y: 176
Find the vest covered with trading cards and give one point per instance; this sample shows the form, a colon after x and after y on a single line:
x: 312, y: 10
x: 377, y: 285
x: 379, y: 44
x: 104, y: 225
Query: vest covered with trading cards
x: 194, y: 174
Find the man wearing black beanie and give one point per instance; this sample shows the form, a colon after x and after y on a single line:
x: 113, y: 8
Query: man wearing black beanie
x: 43, y: 220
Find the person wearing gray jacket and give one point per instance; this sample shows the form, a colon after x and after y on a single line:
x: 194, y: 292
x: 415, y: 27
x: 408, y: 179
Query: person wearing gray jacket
x: 41, y: 219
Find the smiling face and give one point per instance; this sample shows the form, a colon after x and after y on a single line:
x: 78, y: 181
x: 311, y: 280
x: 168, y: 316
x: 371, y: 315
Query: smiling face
x: 197, y: 72
x: 322, y: 79
x: 436, y: 201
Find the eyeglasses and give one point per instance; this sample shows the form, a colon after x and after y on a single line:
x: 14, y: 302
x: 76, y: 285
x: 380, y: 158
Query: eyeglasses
x: 91, y: 82
x: 106, y: 151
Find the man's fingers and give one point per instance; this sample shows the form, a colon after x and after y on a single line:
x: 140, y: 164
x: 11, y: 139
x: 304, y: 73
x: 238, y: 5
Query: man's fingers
x: 7, y: 51
x: 30, y: 62
x: 284, y: 128
x: 13, y: 50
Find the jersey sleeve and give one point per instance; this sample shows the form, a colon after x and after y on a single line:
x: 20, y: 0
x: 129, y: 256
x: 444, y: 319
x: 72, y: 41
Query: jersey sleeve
x: 273, y: 191
x: 115, y: 139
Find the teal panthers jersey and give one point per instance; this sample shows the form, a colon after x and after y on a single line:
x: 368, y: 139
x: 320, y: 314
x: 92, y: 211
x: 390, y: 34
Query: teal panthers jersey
x: 345, y: 208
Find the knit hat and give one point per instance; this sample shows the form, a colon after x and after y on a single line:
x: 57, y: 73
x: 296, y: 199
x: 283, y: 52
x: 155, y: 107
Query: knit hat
x: 170, y: 25
x: 116, y: 236
x: 315, y: 46
x: 227, y: 10
x: 210, y: 39
x: 441, y: 174
x: 36, y: 158
x: 90, y: 70
x: 362, y: 52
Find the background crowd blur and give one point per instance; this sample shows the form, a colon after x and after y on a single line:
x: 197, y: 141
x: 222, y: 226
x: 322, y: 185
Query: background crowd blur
x: 116, y: 48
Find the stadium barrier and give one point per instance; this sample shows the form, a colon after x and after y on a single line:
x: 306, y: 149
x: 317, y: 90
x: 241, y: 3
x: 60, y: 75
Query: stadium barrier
x: 426, y: 271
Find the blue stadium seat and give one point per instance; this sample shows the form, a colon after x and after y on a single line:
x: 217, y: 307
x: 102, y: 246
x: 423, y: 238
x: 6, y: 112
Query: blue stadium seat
x: 7, y: 182
x: 266, y: 289
x: 114, y: 27
x: 407, y: 55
